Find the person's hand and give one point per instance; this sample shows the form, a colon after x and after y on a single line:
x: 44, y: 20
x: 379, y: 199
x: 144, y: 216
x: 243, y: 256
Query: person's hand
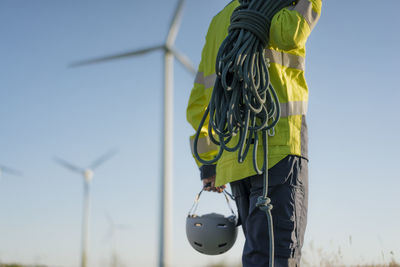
x: 209, y: 185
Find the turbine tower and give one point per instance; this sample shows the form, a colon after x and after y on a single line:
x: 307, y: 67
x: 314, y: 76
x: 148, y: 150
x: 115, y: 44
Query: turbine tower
x: 166, y: 171
x: 87, y: 178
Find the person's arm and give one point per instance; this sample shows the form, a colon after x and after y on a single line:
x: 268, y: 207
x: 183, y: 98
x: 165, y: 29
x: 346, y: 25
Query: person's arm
x: 198, y: 102
x: 291, y: 26
x: 197, y: 105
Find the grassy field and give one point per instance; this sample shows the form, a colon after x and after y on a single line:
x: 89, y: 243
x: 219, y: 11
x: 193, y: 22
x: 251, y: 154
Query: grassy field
x: 326, y: 264
x: 323, y: 264
x: 393, y: 264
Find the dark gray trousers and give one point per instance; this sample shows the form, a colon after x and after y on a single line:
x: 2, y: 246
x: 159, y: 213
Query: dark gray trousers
x: 288, y: 191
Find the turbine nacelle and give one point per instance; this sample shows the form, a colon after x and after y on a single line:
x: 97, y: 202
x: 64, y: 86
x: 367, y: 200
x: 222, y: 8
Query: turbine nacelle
x: 168, y: 48
x: 88, y: 174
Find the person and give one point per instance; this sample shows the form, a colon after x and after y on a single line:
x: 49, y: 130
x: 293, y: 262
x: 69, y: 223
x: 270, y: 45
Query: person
x: 287, y: 148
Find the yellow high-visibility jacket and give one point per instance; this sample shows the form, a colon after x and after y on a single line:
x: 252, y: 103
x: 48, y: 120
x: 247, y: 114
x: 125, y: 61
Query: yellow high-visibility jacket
x: 290, y: 28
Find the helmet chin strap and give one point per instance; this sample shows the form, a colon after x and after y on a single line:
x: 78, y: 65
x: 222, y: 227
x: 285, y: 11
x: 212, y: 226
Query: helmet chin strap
x: 193, y: 209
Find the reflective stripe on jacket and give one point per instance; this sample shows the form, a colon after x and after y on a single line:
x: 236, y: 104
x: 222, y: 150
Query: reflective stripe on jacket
x: 289, y: 31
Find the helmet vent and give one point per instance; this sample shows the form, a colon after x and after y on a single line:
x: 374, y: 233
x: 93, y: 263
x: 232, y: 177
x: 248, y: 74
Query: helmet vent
x: 222, y: 225
x: 198, y: 224
x: 198, y: 244
x: 222, y: 245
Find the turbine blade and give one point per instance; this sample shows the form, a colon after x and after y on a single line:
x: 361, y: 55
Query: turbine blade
x: 185, y: 61
x: 109, y: 235
x: 174, y: 27
x: 116, y: 56
x: 110, y: 232
x: 109, y: 219
x: 103, y: 159
x: 9, y: 170
x: 68, y: 165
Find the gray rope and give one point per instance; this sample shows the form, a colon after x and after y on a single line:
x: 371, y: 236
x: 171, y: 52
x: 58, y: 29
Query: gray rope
x: 243, y: 101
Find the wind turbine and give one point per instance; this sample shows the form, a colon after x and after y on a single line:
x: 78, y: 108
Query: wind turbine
x: 111, y: 235
x: 87, y: 174
x: 166, y: 171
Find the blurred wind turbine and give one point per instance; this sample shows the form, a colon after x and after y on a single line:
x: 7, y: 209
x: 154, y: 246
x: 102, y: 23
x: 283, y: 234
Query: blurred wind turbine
x: 111, y: 235
x: 87, y: 178
x: 166, y: 176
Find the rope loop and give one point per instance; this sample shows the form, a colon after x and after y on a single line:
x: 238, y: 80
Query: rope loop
x: 264, y: 203
x: 252, y: 21
x: 243, y: 103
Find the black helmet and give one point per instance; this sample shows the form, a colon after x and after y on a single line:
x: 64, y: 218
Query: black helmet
x: 212, y: 233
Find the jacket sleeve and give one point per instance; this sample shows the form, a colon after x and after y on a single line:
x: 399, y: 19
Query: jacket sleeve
x: 291, y: 26
x: 198, y: 102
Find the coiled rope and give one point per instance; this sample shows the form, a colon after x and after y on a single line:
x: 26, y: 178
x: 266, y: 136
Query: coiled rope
x: 243, y: 101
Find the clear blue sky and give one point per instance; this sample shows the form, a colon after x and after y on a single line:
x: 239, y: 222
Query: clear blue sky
x: 47, y: 109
